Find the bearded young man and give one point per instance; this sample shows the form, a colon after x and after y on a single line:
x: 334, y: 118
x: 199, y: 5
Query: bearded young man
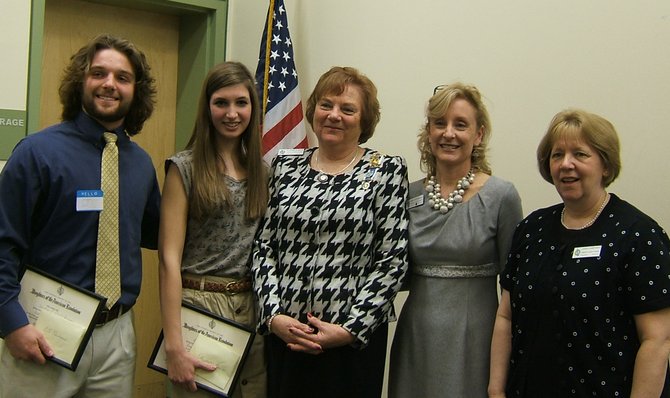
x: 107, y: 88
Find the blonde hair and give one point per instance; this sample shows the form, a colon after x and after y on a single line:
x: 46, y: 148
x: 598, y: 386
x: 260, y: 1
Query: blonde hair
x: 438, y: 105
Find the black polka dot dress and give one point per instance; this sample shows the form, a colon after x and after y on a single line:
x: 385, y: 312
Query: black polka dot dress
x: 574, y: 294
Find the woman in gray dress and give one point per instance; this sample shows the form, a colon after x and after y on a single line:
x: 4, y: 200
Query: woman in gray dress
x: 461, y: 224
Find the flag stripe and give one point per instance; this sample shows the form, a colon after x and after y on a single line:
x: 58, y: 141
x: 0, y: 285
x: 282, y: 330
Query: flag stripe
x: 289, y: 141
x: 292, y: 119
x: 275, y: 115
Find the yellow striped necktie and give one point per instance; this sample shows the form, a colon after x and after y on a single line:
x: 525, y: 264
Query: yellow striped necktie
x: 108, y: 259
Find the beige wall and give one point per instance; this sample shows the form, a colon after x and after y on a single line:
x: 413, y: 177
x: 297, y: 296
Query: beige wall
x: 15, y: 18
x: 530, y: 59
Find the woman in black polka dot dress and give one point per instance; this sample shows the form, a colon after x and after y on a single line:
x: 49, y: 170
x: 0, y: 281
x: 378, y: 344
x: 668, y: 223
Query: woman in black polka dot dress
x: 585, y: 307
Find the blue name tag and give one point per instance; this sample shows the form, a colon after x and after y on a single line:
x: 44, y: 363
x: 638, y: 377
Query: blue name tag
x: 89, y: 200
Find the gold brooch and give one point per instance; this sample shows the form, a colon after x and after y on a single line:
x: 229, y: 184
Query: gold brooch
x: 376, y: 160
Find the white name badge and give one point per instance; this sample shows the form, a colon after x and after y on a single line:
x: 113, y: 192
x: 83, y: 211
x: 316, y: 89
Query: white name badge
x: 290, y: 152
x: 89, y: 200
x: 415, y: 202
x: 586, y: 251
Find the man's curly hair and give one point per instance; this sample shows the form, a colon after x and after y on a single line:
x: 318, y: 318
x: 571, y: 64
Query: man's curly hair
x: 71, y: 87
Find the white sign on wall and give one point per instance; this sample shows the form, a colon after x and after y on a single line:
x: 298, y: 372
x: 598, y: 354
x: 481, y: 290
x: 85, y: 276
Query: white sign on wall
x: 14, y: 18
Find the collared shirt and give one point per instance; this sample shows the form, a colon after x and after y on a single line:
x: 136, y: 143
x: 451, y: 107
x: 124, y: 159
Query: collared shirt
x: 39, y: 223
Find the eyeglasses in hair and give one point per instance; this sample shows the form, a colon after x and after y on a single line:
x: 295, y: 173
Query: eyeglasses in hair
x: 438, y: 88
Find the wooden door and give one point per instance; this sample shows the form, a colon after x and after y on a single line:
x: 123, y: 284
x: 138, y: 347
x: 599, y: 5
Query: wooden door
x: 68, y: 25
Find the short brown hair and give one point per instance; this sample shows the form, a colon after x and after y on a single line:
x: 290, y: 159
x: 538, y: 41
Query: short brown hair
x: 334, y: 82
x: 595, y: 130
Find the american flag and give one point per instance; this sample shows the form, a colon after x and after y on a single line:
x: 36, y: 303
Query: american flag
x: 277, y: 83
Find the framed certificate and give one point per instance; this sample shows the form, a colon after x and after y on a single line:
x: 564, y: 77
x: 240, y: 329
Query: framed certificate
x: 213, y: 339
x: 65, y: 313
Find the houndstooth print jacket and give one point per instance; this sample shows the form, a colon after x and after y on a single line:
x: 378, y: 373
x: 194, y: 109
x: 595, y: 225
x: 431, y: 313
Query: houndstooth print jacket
x: 335, y: 246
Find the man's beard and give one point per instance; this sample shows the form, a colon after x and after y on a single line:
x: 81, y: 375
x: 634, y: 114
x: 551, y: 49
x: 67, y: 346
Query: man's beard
x: 88, y: 103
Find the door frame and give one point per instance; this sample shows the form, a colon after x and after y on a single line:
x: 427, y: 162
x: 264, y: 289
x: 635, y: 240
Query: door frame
x: 202, y: 44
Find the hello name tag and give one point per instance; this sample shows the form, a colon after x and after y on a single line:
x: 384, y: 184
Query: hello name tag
x: 89, y: 200
x: 586, y: 251
x: 415, y: 202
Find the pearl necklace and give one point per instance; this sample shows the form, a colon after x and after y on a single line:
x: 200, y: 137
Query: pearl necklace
x: 316, y: 163
x: 591, y: 221
x: 437, y: 202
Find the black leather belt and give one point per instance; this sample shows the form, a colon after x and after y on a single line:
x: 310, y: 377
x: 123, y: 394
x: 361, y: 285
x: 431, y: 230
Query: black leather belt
x: 107, y: 315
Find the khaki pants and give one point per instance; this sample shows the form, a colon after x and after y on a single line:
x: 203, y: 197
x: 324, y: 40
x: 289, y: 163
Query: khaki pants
x: 240, y: 308
x: 106, y: 369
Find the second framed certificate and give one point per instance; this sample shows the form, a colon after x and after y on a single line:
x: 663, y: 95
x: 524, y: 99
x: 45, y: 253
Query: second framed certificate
x: 213, y: 339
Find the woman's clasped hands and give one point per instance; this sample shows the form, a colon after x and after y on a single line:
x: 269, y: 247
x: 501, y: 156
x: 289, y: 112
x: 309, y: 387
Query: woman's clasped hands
x: 312, y: 337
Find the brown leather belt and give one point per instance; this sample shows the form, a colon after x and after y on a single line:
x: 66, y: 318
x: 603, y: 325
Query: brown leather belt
x: 202, y: 283
x: 107, y: 315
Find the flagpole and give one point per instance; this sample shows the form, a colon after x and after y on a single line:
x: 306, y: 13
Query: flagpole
x: 268, y: 43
